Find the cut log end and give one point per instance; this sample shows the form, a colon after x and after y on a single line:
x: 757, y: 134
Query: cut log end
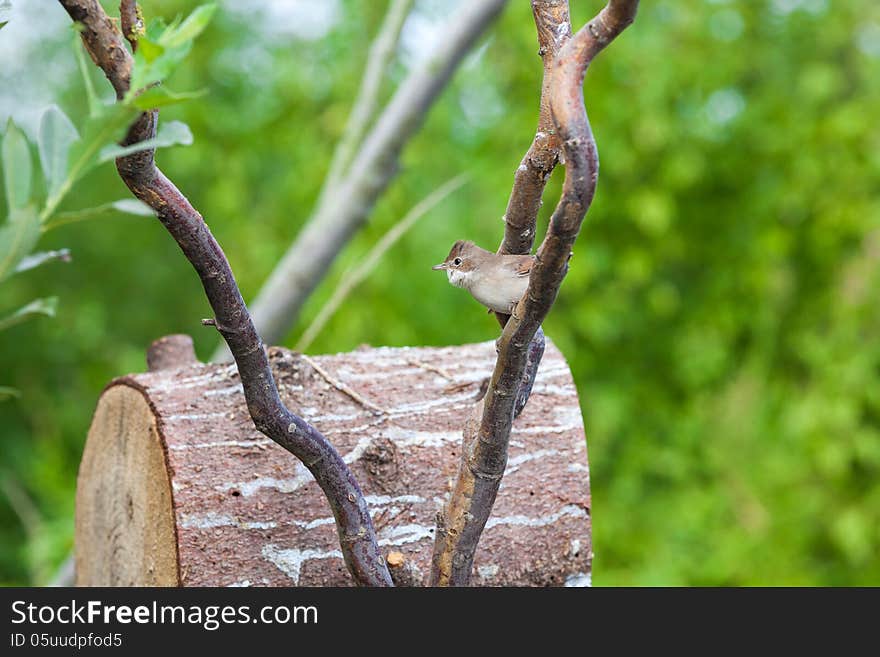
x: 125, y: 529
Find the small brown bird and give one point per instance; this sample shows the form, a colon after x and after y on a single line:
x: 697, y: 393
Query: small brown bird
x: 496, y: 281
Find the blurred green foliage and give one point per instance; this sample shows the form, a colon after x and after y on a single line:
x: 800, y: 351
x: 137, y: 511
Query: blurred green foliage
x: 721, y: 314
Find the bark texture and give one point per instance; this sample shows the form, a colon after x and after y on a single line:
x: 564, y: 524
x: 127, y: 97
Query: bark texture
x: 237, y: 513
x: 553, y: 25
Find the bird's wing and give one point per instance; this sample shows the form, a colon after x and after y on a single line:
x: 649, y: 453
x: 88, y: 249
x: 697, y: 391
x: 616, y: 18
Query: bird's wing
x: 520, y: 264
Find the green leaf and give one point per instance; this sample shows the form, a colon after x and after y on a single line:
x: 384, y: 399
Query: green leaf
x: 149, y: 51
x: 157, y: 27
x: 55, y: 138
x: 133, y: 206
x: 45, y: 306
x: 16, y: 167
x: 160, y: 96
x: 84, y: 154
x: 163, y: 48
x: 149, y: 72
x: 126, y: 205
x: 36, y: 259
x: 195, y: 23
x: 170, y: 133
x: 17, y: 238
x: 5, y: 391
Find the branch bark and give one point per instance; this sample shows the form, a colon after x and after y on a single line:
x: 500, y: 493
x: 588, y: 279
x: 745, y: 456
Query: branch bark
x: 553, y: 26
x: 270, y: 416
x: 554, y: 29
x: 131, y: 22
x: 335, y: 222
x: 487, y: 433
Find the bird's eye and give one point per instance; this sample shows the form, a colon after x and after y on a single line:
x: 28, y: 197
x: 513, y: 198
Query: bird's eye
x: 456, y: 262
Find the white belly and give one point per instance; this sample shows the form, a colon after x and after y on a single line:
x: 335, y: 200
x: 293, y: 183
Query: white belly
x: 492, y: 294
x: 501, y: 297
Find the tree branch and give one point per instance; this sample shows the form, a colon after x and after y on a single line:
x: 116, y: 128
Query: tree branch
x: 553, y: 25
x: 131, y: 21
x: 335, y: 222
x: 534, y: 353
x: 554, y: 29
x: 381, y: 51
x: 139, y: 172
x: 102, y: 43
x: 484, y: 457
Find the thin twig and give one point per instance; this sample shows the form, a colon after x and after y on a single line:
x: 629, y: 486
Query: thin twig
x: 484, y: 454
x: 359, y: 274
x: 357, y: 537
x: 344, y: 388
x: 381, y: 52
x: 131, y: 22
x: 432, y: 368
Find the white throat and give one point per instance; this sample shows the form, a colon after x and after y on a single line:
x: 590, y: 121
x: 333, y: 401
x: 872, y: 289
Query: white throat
x: 458, y: 278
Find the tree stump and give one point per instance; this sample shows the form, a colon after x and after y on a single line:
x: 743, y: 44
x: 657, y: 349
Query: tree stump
x: 177, y: 487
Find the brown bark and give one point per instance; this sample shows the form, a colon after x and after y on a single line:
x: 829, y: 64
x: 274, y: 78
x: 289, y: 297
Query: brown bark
x: 355, y: 530
x: 554, y: 29
x: 487, y: 433
x: 102, y: 42
x: 231, y: 511
x: 131, y: 22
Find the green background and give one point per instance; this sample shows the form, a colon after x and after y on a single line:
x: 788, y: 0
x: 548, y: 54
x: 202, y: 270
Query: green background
x: 720, y: 316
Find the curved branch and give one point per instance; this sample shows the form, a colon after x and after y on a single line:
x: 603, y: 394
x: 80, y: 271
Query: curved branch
x: 553, y: 25
x: 102, y: 42
x: 485, y: 455
x: 554, y: 30
x: 139, y: 172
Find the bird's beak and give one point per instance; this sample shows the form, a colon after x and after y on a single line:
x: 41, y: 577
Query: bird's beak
x: 442, y: 265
